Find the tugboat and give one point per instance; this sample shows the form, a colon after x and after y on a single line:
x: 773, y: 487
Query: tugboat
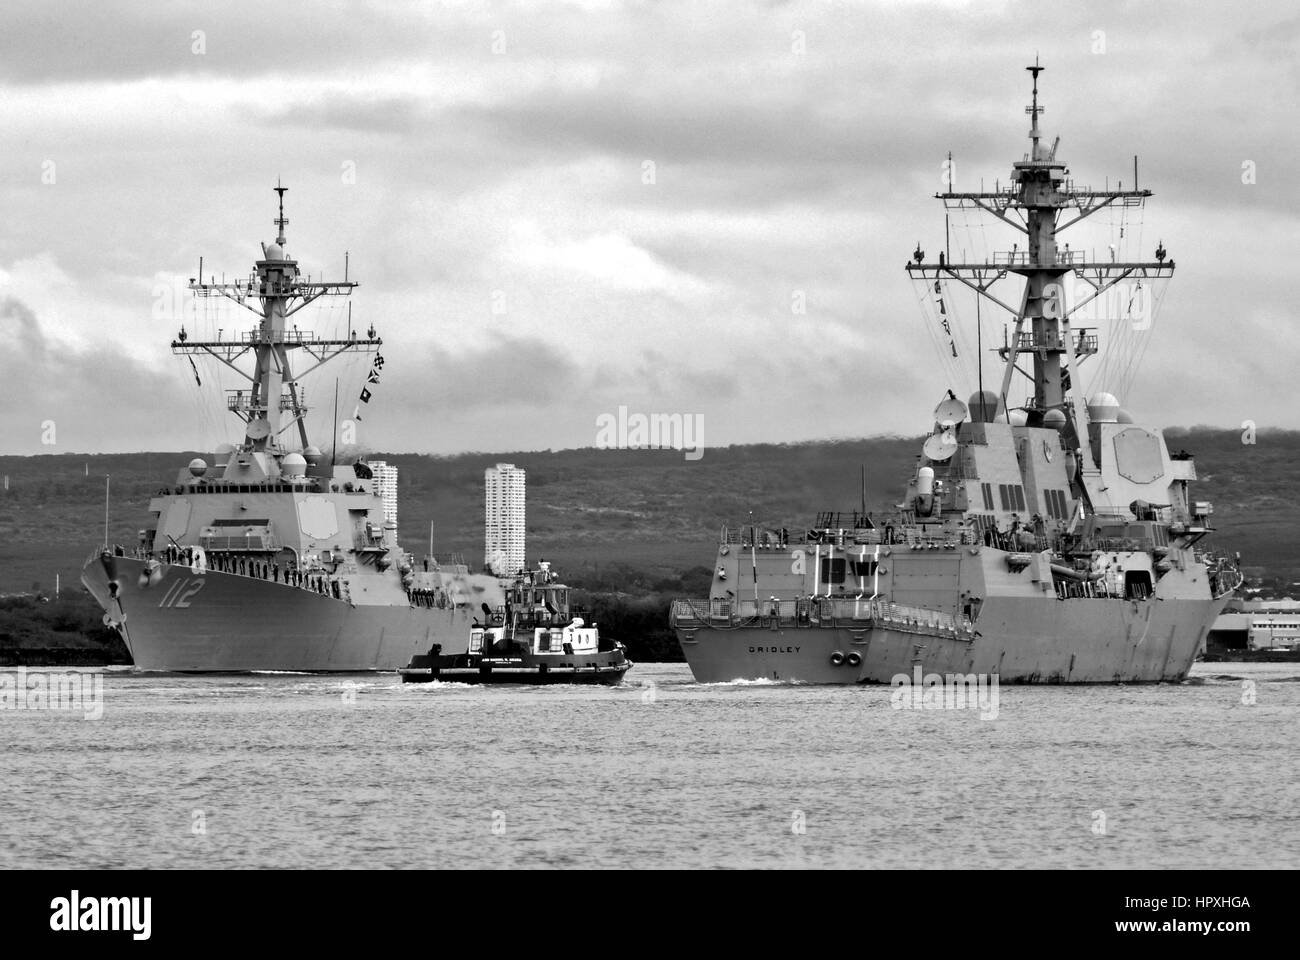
x: 1051, y: 540
x: 530, y: 639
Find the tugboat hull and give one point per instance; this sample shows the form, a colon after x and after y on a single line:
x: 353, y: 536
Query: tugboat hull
x: 601, y: 668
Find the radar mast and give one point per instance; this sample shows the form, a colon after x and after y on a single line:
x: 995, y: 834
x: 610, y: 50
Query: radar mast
x: 1041, y: 203
x: 273, y: 402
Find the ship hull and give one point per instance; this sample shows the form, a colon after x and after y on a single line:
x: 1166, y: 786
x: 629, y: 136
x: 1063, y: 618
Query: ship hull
x: 220, y: 622
x: 1019, y: 640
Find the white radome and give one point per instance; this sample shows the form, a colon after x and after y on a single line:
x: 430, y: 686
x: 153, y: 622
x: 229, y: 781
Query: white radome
x: 1103, y: 408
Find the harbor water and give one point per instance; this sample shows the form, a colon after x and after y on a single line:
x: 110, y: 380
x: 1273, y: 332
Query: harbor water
x: 360, y: 771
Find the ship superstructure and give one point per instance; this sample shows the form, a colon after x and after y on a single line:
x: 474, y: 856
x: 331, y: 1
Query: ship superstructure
x: 275, y: 556
x: 1054, y: 542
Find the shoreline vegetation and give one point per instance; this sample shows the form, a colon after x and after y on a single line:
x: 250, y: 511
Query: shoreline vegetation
x: 67, y: 631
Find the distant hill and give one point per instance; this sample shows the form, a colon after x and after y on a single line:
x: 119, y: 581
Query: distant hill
x: 645, y: 513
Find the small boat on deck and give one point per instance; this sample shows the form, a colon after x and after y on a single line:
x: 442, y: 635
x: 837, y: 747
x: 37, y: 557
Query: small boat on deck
x: 531, y: 639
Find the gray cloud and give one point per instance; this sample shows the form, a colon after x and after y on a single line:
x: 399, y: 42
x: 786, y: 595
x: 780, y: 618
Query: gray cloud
x: 97, y: 399
x: 521, y: 172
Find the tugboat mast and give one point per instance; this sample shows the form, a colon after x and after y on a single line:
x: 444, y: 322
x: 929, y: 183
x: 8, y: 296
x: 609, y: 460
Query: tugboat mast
x: 1033, y: 204
x: 274, y: 389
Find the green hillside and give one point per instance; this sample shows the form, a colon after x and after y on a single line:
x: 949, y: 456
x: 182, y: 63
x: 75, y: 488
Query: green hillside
x: 650, y: 511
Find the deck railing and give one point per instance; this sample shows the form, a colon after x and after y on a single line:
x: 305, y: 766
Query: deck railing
x: 810, y: 612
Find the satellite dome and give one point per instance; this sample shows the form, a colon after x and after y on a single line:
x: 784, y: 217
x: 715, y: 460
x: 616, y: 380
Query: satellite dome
x: 1103, y: 408
x: 293, y: 465
x: 311, y: 453
x: 1019, y: 418
x: 985, y: 407
x: 198, y: 467
x: 1123, y: 416
x: 225, y: 449
x: 275, y: 252
x: 1054, y: 419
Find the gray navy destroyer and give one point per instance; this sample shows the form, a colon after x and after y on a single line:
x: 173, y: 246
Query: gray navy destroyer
x: 274, y: 556
x: 1057, y: 542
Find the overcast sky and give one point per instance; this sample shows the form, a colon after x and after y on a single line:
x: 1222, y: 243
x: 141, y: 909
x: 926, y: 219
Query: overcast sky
x: 486, y: 168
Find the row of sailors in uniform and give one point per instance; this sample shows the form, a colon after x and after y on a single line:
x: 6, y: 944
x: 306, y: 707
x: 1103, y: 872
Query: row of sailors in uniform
x: 245, y: 566
x: 432, y: 597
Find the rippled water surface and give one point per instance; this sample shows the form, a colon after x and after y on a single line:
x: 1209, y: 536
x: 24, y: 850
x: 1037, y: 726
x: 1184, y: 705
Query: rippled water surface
x: 361, y: 771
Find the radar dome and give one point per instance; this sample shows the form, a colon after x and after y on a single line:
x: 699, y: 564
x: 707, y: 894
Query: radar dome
x: 1054, y: 419
x: 1103, y: 408
x: 293, y: 465
x: 198, y: 467
x: 225, y: 449
x: 1123, y: 416
x: 925, y: 481
x: 1019, y: 418
x: 985, y: 407
x: 274, y: 251
x: 311, y: 453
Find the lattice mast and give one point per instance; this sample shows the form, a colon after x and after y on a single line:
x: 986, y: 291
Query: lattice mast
x: 1033, y: 204
x: 274, y: 401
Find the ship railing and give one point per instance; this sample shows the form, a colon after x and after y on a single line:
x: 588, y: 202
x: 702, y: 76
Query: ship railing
x: 1113, y: 545
x: 836, y: 612
x: 839, y: 537
x: 135, y: 553
x: 1085, y: 342
x: 444, y: 562
x: 243, y: 543
x: 281, y: 336
x: 911, y: 537
x: 1025, y: 258
x: 840, y: 529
